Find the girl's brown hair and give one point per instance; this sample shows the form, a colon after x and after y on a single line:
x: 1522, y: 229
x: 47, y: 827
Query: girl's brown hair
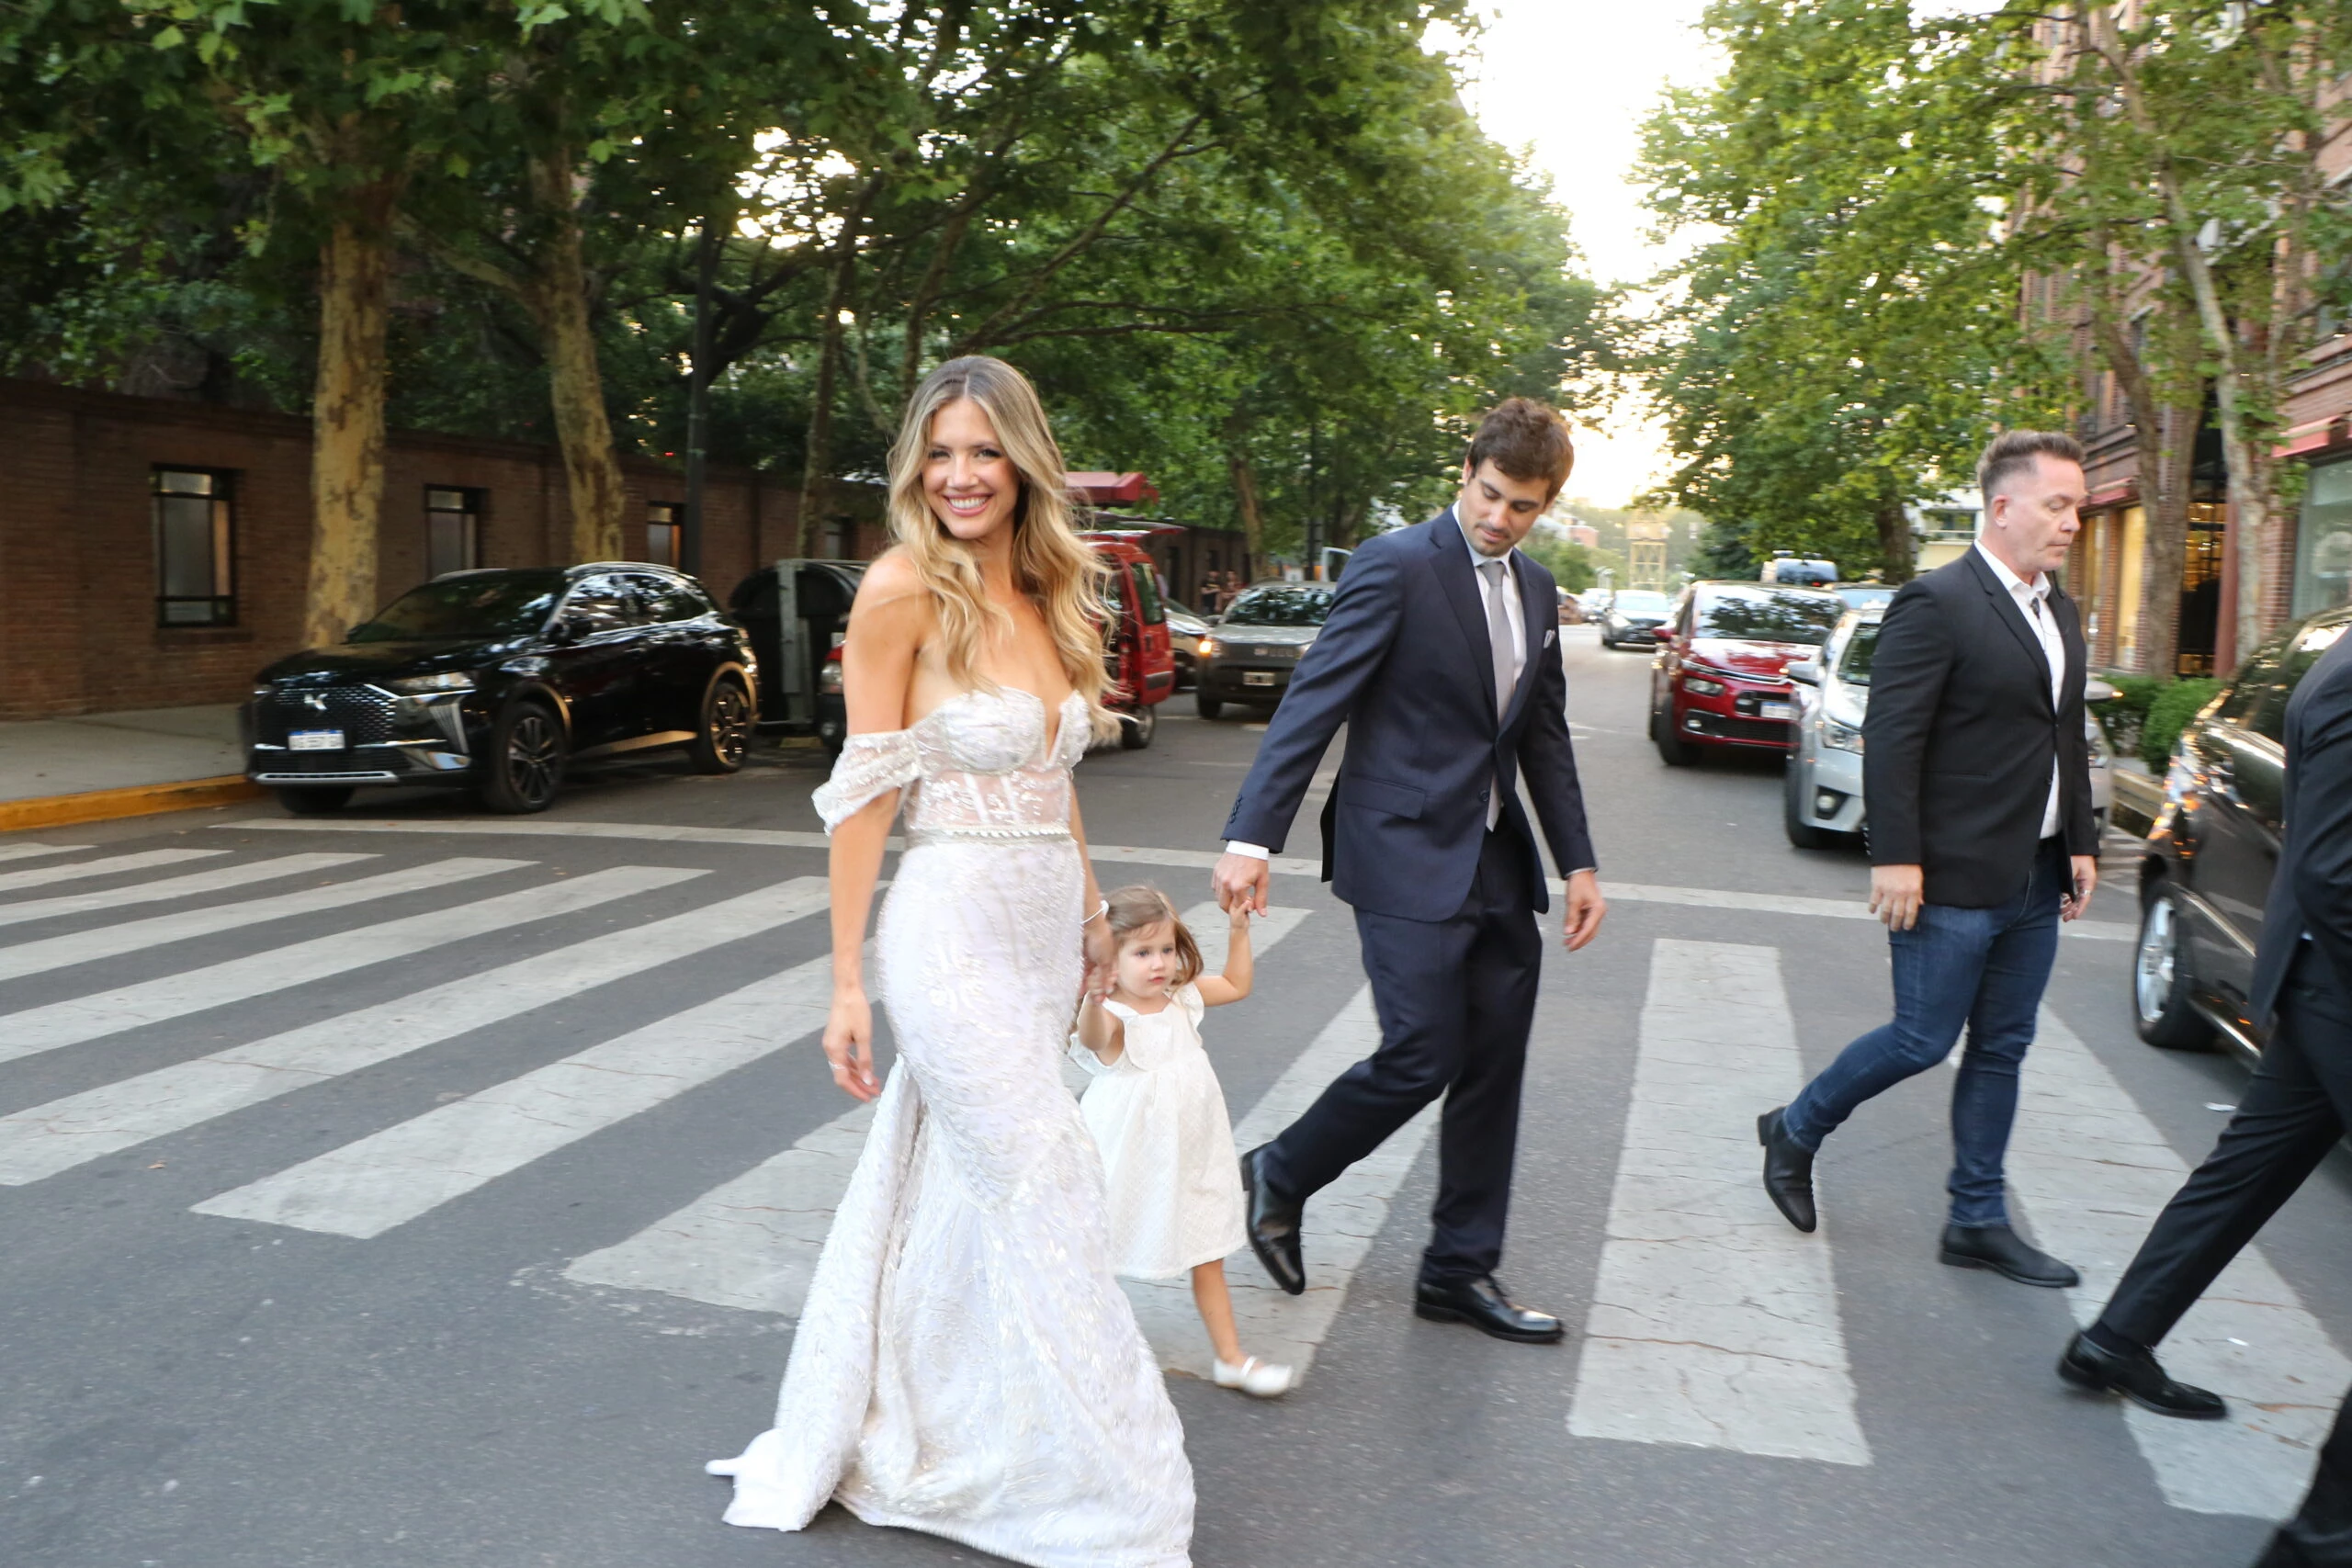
x: 1134, y: 908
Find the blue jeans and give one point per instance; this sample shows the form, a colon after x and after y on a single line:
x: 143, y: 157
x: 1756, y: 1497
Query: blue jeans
x: 1984, y: 968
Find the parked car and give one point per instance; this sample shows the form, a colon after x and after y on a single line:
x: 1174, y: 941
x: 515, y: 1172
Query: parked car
x: 1821, y: 800
x: 1571, y: 609
x: 499, y: 679
x: 1633, y: 617
x: 2209, y: 862
x: 1137, y: 652
x: 1249, y: 655
x: 1185, y: 629
x: 1594, y: 602
x: 796, y: 612
x: 1718, y: 679
x: 1793, y: 571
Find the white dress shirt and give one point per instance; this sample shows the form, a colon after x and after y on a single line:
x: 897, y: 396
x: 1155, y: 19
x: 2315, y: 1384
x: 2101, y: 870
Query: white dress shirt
x: 1515, y: 612
x: 2033, y: 603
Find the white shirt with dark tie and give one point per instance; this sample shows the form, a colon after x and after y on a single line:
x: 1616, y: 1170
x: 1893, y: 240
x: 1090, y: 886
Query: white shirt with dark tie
x: 2032, y: 599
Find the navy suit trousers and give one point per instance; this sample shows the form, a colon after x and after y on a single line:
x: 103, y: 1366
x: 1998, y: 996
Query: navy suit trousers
x: 1455, y: 998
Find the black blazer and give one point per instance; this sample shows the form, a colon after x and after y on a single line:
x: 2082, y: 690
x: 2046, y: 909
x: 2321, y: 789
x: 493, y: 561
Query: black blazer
x: 1403, y: 661
x: 2311, y: 892
x: 1960, y: 732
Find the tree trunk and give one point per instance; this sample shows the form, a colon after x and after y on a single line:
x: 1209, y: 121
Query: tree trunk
x: 558, y: 299
x: 348, y: 414
x: 1253, y: 517
x: 1894, y: 524
x: 2167, y: 457
x: 816, y: 471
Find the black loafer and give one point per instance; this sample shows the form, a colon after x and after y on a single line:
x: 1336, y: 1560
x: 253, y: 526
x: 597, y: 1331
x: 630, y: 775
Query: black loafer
x: 2139, y: 1379
x: 2004, y: 1251
x: 1482, y: 1305
x: 1787, y: 1171
x: 1273, y: 1221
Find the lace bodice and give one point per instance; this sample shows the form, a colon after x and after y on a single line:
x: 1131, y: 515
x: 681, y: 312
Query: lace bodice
x: 981, y: 764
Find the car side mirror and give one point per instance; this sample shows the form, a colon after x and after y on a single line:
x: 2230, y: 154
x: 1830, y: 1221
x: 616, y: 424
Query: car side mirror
x: 1805, y: 670
x: 563, y: 629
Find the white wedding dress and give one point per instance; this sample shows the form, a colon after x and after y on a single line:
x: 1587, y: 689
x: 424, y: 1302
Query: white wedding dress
x: 967, y: 1365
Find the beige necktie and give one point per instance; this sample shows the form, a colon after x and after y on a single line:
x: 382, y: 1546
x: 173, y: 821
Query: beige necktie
x: 1499, y: 632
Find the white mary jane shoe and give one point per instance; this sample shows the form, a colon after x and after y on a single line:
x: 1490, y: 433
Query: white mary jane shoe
x: 1261, y: 1379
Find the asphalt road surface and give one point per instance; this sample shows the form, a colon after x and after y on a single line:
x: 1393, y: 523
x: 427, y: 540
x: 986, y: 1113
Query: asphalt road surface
x: 422, y: 1190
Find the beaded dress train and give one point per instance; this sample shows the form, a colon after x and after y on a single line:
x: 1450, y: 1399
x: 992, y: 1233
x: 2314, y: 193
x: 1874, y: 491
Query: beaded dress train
x: 967, y: 1365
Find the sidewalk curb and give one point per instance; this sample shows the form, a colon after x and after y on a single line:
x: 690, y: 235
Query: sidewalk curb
x: 138, y: 800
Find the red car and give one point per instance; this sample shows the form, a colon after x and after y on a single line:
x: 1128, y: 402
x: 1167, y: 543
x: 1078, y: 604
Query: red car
x: 1141, y: 657
x: 1718, y: 679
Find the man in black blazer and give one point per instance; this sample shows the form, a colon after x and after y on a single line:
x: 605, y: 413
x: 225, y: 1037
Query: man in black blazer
x: 1441, y: 656
x: 2294, y: 1108
x: 1977, y: 794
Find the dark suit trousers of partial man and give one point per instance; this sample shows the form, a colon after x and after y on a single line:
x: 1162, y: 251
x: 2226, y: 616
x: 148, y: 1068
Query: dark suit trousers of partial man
x: 1456, y: 997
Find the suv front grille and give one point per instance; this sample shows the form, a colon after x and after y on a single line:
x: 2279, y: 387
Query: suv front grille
x: 362, y: 713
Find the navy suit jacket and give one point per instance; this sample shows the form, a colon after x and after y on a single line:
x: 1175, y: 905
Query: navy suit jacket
x: 1404, y: 662
x: 2310, y: 894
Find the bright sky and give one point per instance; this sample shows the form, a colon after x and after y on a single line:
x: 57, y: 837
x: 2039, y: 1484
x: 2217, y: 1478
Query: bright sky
x: 1571, y: 81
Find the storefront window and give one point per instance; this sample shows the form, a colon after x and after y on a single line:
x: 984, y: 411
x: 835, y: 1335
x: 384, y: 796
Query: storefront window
x: 2324, y: 542
x: 2128, y: 550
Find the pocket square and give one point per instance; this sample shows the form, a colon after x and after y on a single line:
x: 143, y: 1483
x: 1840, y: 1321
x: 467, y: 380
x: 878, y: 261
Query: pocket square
x: 1551, y: 634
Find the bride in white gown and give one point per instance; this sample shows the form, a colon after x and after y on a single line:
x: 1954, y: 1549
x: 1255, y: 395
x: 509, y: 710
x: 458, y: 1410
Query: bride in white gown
x: 966, y: 1363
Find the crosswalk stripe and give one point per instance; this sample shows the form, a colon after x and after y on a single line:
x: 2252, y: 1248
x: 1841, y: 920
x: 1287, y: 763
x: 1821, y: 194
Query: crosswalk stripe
x: 366, y: 1188
x: 192, y: 886
x: 84, y: 1019
x: 42, y: 875
x: 751, y: 1242
x: 47, y: 1139
x: 1713, y: 1323
x: 2092, y: 1172
x: 157, y: 930
x: 27, y: 852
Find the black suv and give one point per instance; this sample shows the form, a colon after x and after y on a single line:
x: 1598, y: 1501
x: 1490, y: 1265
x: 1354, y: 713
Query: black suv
x: 496, y: 679
x: 2214, y: 846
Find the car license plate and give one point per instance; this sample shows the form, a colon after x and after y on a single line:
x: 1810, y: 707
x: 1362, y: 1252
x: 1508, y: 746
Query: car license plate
x: 314, y: 740
x: 1776, y: 710
x: 1257, y: 677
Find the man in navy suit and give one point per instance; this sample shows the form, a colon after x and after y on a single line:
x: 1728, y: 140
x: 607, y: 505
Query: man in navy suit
x: 1441, y: 656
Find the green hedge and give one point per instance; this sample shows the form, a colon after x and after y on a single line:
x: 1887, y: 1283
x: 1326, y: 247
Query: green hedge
x: 2174, y: 705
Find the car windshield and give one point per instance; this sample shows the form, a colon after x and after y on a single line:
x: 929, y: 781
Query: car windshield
x: 1768, y: 615
x: 1862, y: 595
x: 1280, y: 607
x: 1638, y: 604
x: 1859, y: 647
x: 495, y: 605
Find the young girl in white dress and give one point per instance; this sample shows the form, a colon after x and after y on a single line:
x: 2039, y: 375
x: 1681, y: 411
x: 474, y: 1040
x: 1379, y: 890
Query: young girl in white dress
x: 1158, y: 1116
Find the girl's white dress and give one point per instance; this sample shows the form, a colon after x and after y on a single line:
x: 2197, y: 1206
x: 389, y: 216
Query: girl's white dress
x: 1159, y: 1117
x: 966, y: 1363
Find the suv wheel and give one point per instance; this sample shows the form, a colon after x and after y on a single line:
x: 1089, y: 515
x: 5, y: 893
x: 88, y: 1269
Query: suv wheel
x: 1801, y: 832
x: 724, y: 739
x: 1208, y: 706
x: 1672, y: 750
x: 525, y: 762
x: 1137, y: 728
x: 2162, y: 981
x: 314, y: 800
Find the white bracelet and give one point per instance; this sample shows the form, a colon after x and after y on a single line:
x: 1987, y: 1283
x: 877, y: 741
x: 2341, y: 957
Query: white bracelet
x: 1100, y: 910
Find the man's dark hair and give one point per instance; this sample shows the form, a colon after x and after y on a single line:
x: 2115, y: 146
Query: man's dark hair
x: 2014, y: 451
x: 1527, y: 440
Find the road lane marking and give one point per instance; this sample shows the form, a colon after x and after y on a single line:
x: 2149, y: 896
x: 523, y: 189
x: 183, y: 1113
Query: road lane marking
x: 240, y: 980
x: 157, y: 930
x: 172, y: 887
x: 27, y: 852
x: 1853, y: 908
x: 2092, y: 1172
x: 752, y: 1242
x: 112, y: 866
x: 47, y: 1139
x: 367, y: 1187
x: 1713, y: 1324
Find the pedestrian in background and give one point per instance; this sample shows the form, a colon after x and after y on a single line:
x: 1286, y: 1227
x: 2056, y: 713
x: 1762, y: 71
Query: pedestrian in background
x: 1211, y: 594
x: 1441, y: 656
x: 2294, y: 1108
x: 1977, y: 791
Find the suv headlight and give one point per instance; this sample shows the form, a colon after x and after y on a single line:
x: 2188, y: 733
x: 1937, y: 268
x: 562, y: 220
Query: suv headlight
x: 431, y: 685
x: 1842, y: 730
x: 829, y: 677
x: 1210, y: 648
x: 1701, y: 685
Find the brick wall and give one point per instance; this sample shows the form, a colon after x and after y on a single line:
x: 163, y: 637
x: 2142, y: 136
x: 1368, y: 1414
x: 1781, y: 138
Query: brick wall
x: 77, y: 568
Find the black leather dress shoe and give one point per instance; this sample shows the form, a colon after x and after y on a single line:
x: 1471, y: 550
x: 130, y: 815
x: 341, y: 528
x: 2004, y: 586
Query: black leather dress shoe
x: 2004, y: 1251
x: 1273, y: 1226
x: 1482, y: 1305
x: 1787, y: 1171
x: 2137, y: 1378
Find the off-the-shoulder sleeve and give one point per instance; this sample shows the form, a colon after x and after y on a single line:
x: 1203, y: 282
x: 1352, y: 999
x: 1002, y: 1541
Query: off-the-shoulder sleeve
x: 869, y: 765
x: 1188, y: 996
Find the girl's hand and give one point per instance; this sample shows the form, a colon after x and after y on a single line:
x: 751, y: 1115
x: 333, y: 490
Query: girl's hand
x: 849, y: 1044
x: 1238, y: 915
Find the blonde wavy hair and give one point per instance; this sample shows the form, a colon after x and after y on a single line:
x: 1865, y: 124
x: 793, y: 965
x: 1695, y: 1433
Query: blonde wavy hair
x: 1051, y: 565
